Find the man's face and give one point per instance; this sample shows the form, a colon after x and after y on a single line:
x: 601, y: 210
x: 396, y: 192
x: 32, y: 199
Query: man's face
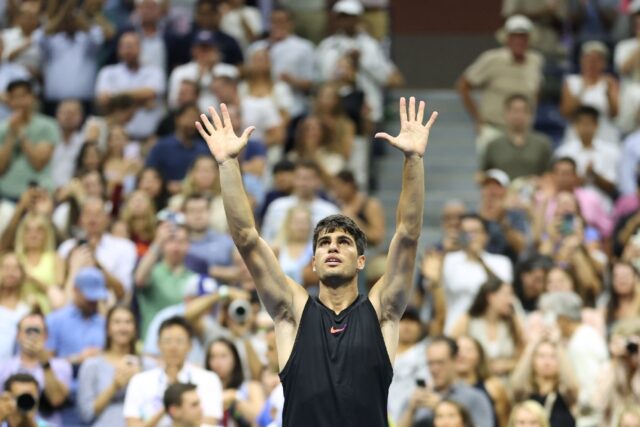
x: 10, y: 272
x: 185, y: 122
x: 187, y: 93
x: 189, y: 413
x: 174, y: 345
x: 564, y: 176
x: 533, y: 282
x: 586, y: 127
x: 93, y: 218
x: 492, y: 191
x: 20, y: 99
x: 69, y: 115
x: 176, y: 247
x: 207, y: 17
x: 225, y: 89
x: 473, y: 228
x: 31, y: 334
x: 441, y: 365
x: 306, y: 183
x: 87, y: 307
x: 196, y: 213
x: 283, y: 181
x: 518, y: 115
x: 149, y: 12
x: 336, y: 258
x: 28, y: 18
x: 280, y: 25
x: 129, y: 49
x: 518, y: 43
x: 205, y: 54
x: 347, y: 23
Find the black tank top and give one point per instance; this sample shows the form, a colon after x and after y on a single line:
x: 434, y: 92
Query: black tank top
x: 338, y: 374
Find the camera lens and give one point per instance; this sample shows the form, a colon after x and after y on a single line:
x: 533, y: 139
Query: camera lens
x: 25, y: 402
x: 632, y: 347
x: 239, y: 311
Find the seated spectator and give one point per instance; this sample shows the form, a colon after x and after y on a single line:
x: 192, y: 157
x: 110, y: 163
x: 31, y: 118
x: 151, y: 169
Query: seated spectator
x: 118, y: 111
x: 43, y: 268
x: 143, y: 400
x: 305, y: 188
x: 450, y: 217
x: 545, y: 375
x: 9, y: 71
x: 492, y: 321
x: 624, y: 299
x: 429, y: 295
x: 188, y: 93
x: 520, y: 152
x: 501, y: 73
x: 312, y: 142
x: 240, y: 21
x: 441, y: 355
x: 69, y: 116
x: 182, y: 404
x: 173, y: 155
x: 594, y: 88
x: 115, y: 256
x: 121, y: 164
x: 13, y: 307
x: 341, y: 129
x: 596, y: 160
x: 144, y: 83
x: 53, y: 375
x: 630, y: 417
x: 464, y: 271
x: 282, y: 184
x: 15, y: 386
x: 472, y: 368
x: 150, y: 181
x: 34, y: 201
x: 29, y: 139
x: 625, y: 61
x: 309, y: 20
x: 139, y: 216
x: 294, y: 246
x: 410, y: 364
x: 242, y: 398
x: 449, y: 413
x: 18, y: 40
x: 148, y: 21
x: 530, y: 280
x: 529, y: 413
x: 103, y: 379
x: 161, y: 275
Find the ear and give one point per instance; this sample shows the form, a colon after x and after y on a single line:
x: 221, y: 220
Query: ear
x: 313, y: 263
x: 361, y: 262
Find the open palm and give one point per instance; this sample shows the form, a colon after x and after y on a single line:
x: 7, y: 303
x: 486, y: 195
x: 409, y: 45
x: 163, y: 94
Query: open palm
x: 414, y: 136
x: 220, y: 136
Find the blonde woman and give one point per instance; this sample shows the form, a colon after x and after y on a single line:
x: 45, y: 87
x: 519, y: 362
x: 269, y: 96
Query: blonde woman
x: 13, y: 307
x: 44, y: 269
x: 294, y: 243
x: 139, y: 216
x: 530, y: 414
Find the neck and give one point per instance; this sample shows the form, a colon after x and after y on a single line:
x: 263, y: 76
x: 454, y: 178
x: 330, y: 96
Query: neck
x: 588, y: 143
x: 9, y: 297
x: 491, y: 316
x: 468, y: 377
x: 174, y: 264
x: 118, y: 349
x: 183, y: 138
x: 519, y: 57
x: 570, y: 328
x: 517, y: 135
x: 28, y: 359
x: 443, y: 389
x: 197, y: 234
x: 149, y: 27
x: 134, y: 65
x: 545, y: 385
x: 339, y: 298
x: 305, y: 198
x: 67, y: 134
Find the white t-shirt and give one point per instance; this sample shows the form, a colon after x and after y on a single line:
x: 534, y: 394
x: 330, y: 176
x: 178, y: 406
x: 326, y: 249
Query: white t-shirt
x: 588, y: 352
x: 603, y: 156
x: 191, y: 71
x: 146, y: 390
x: 462, y: 277
x: 624, y: 49
x: 262, y: 112
x: 9, y: 328
x: 231, y: 23
x: 407, y: 368
x: 63, y: 162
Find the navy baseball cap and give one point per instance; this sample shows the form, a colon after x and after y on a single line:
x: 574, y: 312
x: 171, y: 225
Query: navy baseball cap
x: 205, y: 38
x: 90, y: 281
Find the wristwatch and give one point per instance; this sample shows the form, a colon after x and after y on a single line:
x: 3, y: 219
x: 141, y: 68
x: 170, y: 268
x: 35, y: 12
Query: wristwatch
x: 223, y: 291
x: 46, y: 365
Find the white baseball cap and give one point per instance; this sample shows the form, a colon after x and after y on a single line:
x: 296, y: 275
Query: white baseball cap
x: 226, y: 70
x: 518, y: 24
x: 497, y: 175
x: 349, y: 7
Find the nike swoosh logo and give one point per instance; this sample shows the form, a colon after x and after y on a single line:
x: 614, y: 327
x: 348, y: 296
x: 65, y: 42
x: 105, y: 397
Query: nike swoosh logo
x: 334, y: 330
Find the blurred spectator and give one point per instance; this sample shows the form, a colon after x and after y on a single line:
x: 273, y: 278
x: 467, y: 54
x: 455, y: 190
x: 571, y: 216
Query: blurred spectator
x: 69, y: 117
x: 240, y: 21
x: 149, y: 24
x: 366, y: 211
x: 44, y: 270
x: 341, y: 129
x: 530, y: 280
x: 69, y: 41
x: 305, y: 188
x: 18, y: 41
x: 441, y: 355
x: 309, y: 18
x: 9, y: 71
x: 547, y: 21
x: 172, y: 155
x: 52, y: 374
x: 28, y: 139
x: 144, y: 83
x: 13, y: 306
x: 161, y: 275
x: 595, y: 88
x: 182, y: 404
x: 624, y: 298
x: 120, y: 166
x: 409, y: 365
x: 143, y: 400
x: 464, y: 271
x: 472, y: 368
x: 626, y: 63
x: 294, y: 246
x: 375, y: 70
x: 282, y: 185
x: 529, y: 413
x: 492, y: 321
x: 501, y: 73
x: 292, y: 58
x: 36, y: 201
x: 242, y: 398
x: 150, y: 181
x: 376, y: 18
x: 313, y: 142
x: 88, y: 184
x: 451, y: 414
x: 520, y: 151
x: 103, y: 379
x: 118, y: 111
x: 139, y: 216
x: 15, y: 386
x: 591, y: 20
x: 450, y: 217
x: 188, y: 93
x: 205, y: 56
x: 545, y: 375
x: 115, y: 256
x: 630, y: 417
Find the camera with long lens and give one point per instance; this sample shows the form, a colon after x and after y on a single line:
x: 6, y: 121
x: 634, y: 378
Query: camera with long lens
x: 25, y: 403
x: 632, y: 348
x: 239, y: 311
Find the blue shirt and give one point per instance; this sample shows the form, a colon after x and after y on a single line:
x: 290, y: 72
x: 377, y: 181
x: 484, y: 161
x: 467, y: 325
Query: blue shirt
x: 173, y: 159
x: 70, y: 333
x: 214, y: 248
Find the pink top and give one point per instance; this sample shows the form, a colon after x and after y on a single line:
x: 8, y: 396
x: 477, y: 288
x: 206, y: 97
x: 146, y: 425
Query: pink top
x: 624, y: 206
x: 591, y: 209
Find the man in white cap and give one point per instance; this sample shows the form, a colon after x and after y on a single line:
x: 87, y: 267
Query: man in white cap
x: 501, y: 73
x: 375, y: 69
x: 545, y: 16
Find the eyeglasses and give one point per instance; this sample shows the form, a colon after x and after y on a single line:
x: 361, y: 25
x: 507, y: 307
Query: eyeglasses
x: 174, y: 341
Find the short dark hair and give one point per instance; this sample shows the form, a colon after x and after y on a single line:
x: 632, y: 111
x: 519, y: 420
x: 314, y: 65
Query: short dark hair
x: 22, y: 379
x: 340, y: 222
x: 586, y: 111
x: 448, y: 341
x: 36, y: 312
x: 176, y: 321
x: 463, y: 412
x: 173, y: 394
x: 16, y: 84
x: 195, y: 196
x: 564, y: 159
x: 119, y: 103
x: 186, y: 107
x: 347, y: 177
x: 476, y: 217
x: 284, y: 166
x: 309, y: 164
x: 517, y: 97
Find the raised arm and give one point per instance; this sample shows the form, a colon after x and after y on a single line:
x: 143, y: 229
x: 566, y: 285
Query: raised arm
x: 277, y: 292
x: 390, y: 295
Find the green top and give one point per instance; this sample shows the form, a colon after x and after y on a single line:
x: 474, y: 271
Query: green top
x: 532, y: 158
x: 40, y: 130
x: 164, y: 288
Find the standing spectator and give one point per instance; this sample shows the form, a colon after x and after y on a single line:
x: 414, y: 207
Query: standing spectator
x: 117, y: 112
x: 441, y: 355
x: 19, y: 46
x: 547, y: 19
x: 464, y: 271
x: 144, y: 83
x: 182, y: 404
x: 309, y: 18
x: 501, y: 73
x: 52, y: 374
x: 13, y: 307
x: 143, y: 401
x: 69, y: 42
x: 139, y: 216
x: 624, y: 300
x: 529, y: 413
x: 28, y: 140
x: 188, y: 93
x: 520, y: 151
x: 625, y: 60
x: 375, y: 72
x: 148, y: 23
x: 240, y: 21
x: 69, y: 117
x: 282, y: 185
x: 9, y: 71
x: 294, y: 247
x: 103, y: 379
x: 173, y: 155
x: 593, y: 87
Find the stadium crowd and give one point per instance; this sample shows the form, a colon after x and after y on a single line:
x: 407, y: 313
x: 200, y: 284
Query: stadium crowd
x: 123, y: 301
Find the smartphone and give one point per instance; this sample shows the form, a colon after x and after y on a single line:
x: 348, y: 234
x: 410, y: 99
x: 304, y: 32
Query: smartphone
x: 421, y: 383
x: 567, y: 224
